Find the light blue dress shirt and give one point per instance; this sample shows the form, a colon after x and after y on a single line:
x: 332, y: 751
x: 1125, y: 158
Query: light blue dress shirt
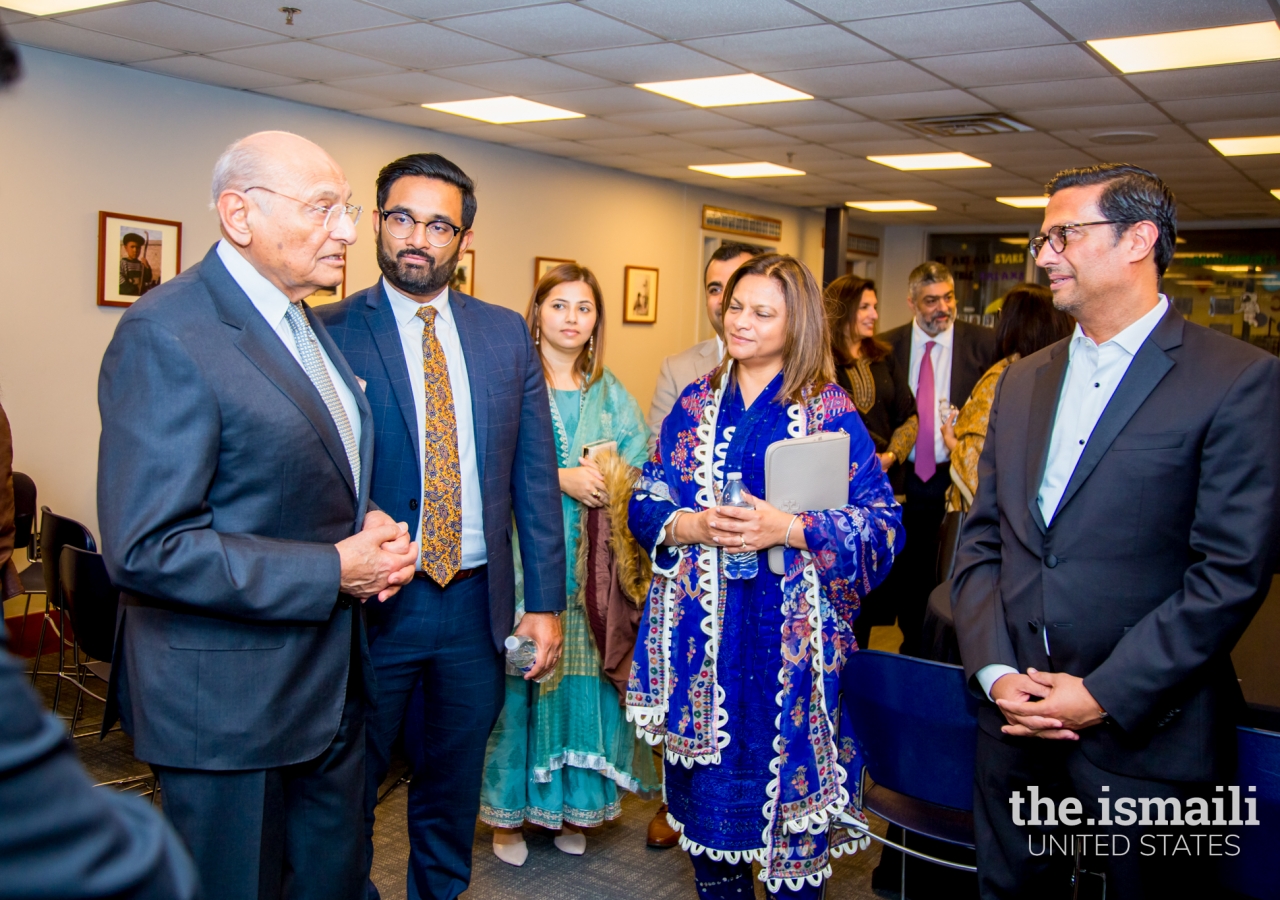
x: 1093, y: 373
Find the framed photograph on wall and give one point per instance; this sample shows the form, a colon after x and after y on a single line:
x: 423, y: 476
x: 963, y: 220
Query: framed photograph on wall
x: 135, y: 253
x: 640, y: 295
x: 464, y: 276
x: 544, y: 264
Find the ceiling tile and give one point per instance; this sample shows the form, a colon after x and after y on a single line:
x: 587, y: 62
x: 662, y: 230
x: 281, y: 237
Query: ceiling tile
x: 580, y: 130
x: 1167, y: 134
x: 12, y: 17
x: 658, y: 62
x: 676, y: 120
x: 559, y: 28
x: 1087, y: 21
x: 827, y: 134
x: 54, y: 35
x: 860, y: 80
x: 412, y: 87
x: 412, y: 114
x: 213, y: 71
x: 169, y: 26
x: 434, y: 10
x: 998, y: 27
x: 651, y: 143
x: 1052, y: 63
x: 1251, y: 127
x: 610, y: 101
x: 879, y: 148
x: 738, y: 137
x: 1050, y: 94
x: 1216, y: 108
x: 981, y: 144
x: 523, y: 77
x: 913, y: 105
x: 314, y: 18
x: 1121, y: 115
x: 682, y: 19
x: 324, y: 95
x: 1226, y: 81
x: 703, y: 156
x: 300, y: 59
x: 790, y: 48
x: 419, y: 46
x: 848, y: 10
x: 796, y: 112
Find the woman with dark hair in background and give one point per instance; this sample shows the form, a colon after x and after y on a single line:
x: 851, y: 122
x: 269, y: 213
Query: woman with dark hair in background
x: 1028, y: 322
x: 736, y: 672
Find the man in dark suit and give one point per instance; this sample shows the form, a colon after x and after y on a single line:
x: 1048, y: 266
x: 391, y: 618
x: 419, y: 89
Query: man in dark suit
x: 1121, y: 538
x: 464, y: 445
x: 232, y: 494
x: 943, y: 360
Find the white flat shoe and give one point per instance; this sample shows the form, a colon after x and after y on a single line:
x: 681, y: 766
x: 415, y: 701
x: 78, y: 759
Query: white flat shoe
x: 512, y: 854
x: 572, y: 842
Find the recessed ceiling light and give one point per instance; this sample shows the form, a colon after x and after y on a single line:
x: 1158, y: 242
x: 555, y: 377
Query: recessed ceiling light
x: 53, y: 7
x: 914, y: 162
x: 747, y: 170
x: 1124, y: 137
x: 1247, y: 146
x: 891, y: 205
x: 725, y: 90
x: 1190, y: 49
x: 503, y: 110
x: 1276, y: 193
x: 1025, y: 202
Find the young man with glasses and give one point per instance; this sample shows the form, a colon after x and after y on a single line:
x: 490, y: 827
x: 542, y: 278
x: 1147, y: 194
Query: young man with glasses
x: 1122, y: 537
x: 464, y: 447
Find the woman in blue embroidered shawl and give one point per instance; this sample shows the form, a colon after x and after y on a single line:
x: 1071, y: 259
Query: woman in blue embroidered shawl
x: 562, y: 750
x: 739, y: 678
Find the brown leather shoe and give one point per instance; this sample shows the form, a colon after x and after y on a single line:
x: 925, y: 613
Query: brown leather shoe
x: 661, y: 834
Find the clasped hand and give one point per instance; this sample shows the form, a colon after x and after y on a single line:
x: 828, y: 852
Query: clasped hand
x: 740, y: 529
x: 584, y: 483
x: 377, y: 560
x: 1052, y: 705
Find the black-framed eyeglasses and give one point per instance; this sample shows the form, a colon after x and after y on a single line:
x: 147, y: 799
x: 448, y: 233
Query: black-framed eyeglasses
x: 332, y: 214
x: 1057, y: 236
x: 401, y: 225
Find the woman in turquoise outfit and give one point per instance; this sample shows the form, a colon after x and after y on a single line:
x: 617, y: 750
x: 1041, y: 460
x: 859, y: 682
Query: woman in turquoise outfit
x: 562, y: 750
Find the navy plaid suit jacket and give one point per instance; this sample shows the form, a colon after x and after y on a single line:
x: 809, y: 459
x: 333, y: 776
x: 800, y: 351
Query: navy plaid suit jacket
x: 515, y: 446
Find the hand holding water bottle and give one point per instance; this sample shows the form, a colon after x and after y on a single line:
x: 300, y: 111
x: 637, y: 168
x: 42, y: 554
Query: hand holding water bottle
x: 756, y: 528
x: 538, y: 642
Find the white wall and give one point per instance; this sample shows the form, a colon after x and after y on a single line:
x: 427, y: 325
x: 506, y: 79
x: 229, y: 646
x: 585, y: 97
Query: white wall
x: 78, y: 136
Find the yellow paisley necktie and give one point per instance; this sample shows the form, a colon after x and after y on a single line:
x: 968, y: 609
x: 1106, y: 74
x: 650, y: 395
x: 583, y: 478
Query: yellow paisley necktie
x: 441, y: 472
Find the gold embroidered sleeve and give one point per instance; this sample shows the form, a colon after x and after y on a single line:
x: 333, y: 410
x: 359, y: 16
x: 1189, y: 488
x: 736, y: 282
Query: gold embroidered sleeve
x: 904, y: 438
x: 971, y: 426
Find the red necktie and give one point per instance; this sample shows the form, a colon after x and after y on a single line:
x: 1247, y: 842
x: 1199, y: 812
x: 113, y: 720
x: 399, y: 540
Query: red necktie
x: 927, y: 409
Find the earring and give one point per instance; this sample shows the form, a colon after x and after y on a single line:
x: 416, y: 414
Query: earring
x: 537, y: 334
x: 591, y: 347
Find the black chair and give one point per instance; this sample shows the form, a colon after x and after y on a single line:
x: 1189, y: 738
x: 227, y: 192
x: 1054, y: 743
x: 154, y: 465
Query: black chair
x: 57, y: 532
x: 24, y: 520
x: 90, y: 601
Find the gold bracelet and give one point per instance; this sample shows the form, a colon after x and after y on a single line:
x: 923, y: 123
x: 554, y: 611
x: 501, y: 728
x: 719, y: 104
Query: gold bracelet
x: 786, y: 541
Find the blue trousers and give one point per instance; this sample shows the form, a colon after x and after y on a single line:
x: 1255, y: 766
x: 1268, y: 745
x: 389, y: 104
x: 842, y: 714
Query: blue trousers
x: 719, y: 880
x: 441, y: 639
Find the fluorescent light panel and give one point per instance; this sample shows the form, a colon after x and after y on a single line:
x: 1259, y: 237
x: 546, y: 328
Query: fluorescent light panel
x: 1276, y: 193
x: 725, y: 90
x: 915, y: 162
x: 53, y: 7
x: 1247, y: 146
x: 1192, y: 49
x: 1025, y: 202
x: 891, y: 205
x: 503, y: 110
x: 747, y: 170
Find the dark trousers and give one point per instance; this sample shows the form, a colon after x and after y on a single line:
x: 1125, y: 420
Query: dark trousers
x: 1020, y: 861
x: 287, y: 832
x: 441, y: 638
x: 917, y: 566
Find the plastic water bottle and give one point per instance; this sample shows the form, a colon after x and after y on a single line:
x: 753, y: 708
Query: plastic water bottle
x: 522, y: 653
x: 738, y: 566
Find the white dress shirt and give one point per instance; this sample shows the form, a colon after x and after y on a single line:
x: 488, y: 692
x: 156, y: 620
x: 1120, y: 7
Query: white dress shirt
x: 405, y: 310
x: 271, y: 302
x: 1093, y: 373
x: 941, y: 356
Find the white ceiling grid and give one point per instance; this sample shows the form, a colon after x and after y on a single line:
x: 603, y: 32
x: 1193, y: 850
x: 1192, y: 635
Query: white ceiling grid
x: 868, y: 63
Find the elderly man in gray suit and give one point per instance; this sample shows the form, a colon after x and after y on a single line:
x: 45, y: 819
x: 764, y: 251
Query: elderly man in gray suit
x: 233, y: 484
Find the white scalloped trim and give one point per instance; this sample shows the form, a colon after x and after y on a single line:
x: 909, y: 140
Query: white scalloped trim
x: 733, y: 857
x: 592, y: 761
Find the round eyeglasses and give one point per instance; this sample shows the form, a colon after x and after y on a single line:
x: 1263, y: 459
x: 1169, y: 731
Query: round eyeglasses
x: 401, y: 225
x: 332, y: 214
x: 1056, y: 237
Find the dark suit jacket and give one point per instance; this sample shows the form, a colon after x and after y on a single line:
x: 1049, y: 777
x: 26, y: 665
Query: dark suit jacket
x: 59, y: 835
x: 1159, y: 554
x: 972, y: 352
x: 515, y: 446
x: 222, y: 487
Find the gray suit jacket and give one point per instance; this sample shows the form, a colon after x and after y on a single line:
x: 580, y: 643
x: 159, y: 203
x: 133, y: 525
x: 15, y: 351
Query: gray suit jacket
x: 222, y: 487
x: 1160, y: 553
x: 678, y: 372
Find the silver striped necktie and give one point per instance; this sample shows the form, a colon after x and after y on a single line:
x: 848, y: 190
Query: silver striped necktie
x: 318, y: 372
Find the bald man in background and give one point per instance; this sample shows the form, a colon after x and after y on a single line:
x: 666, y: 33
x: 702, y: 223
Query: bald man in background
x: 233, y: 482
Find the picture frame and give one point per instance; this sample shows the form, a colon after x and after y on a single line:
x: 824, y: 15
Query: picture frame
x: 464, y: 276
x: 135, y: 254
x: 544, y: 264
x: 640, y: 295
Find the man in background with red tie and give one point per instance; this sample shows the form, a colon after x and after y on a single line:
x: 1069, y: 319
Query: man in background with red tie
x: 944, y: 360
x: 464, y: 446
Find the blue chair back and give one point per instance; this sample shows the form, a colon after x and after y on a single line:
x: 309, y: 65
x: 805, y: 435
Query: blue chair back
x: 914, y: 726
x: 1255, y: 872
